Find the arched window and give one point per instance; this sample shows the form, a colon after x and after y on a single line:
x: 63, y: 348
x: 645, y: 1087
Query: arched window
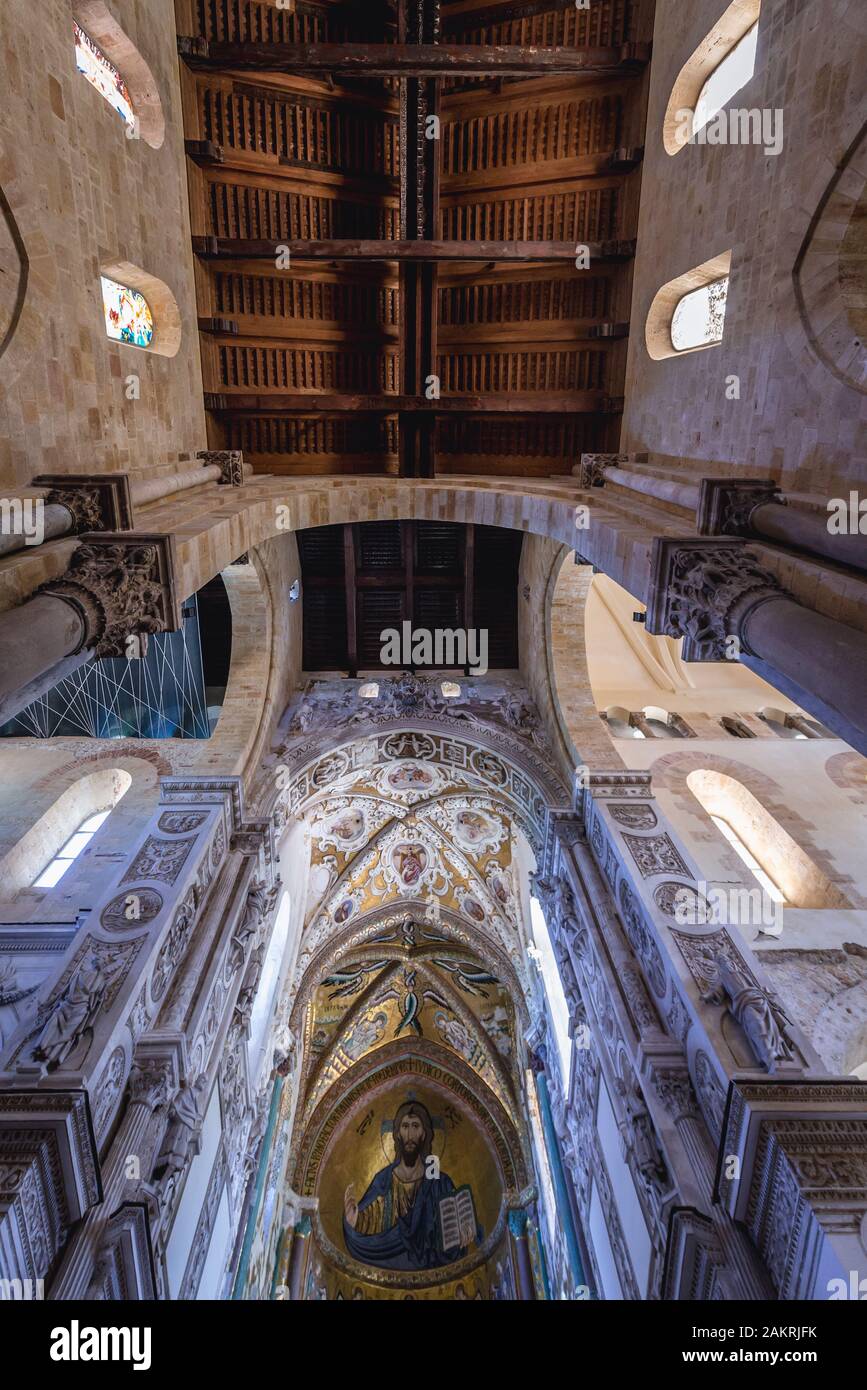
x: 451, y: 690
x: 688, y: 314
x: 554, y: 992
x: 139, y: 309
x: 773, y: 857
x: 734, y: 72
x: 75, y: 845
x: 722, y: 64
x: 53, y: 836
x: 369, y: 691
x: 699, y: 317
x: 103, y: 75
x: 128, y: 317
x: 749, y: 859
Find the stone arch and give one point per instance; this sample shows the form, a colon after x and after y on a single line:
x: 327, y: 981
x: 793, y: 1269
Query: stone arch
x: 830, y: 273
x: 100, y: 25
x: 96, y: 791
x: 168, y: 325
x: 13, y: 288
x: 849, y: 771
x: 617, y: 541
x: 585, y: 736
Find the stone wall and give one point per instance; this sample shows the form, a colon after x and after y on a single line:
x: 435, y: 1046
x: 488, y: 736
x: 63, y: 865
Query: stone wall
x: 85, y: 197
x: 795, y: 419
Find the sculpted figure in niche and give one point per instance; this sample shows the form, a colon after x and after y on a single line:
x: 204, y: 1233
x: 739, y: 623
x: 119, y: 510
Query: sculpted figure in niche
x: 182, y: 1130
x: 762, y: 1019
x: 75, y: 1010
x: 398, y: 1223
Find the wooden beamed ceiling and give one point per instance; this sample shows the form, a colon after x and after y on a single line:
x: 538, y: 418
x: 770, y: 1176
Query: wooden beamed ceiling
x: 427, y: 314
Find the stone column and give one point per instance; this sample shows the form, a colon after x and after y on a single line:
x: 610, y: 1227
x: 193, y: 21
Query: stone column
x: 75, y: 503
x: 298, y: 1257
x: 117, y: 586
x: 597, y: 469
x: 756, y: 507
x: 518, y: 1221
x: 716, y: 596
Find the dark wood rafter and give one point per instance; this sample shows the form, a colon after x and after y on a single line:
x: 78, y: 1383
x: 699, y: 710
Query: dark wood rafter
x: 325, y: 403
x: 226, y: 248
x: 418, y: 23
x: 410, y: 59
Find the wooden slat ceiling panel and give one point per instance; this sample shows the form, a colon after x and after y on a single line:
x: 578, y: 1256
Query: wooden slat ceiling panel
x: 280, y: 156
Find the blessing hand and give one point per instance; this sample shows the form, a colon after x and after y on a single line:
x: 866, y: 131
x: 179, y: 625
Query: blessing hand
x: 350, y: 1206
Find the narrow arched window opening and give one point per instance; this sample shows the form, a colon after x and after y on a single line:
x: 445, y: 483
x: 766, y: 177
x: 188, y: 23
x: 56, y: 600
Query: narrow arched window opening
x: 128, y: 316
x: 554, y: 992
x: 103, y: 75
x: 734, y: 72
x: 699, y: 318
x: 74, y: 847
x: 749, y: 859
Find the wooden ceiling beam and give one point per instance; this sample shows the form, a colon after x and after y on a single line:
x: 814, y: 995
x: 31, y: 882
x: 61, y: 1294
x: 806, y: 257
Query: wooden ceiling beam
x: 213, y: 248
x: 413, y: 60
x: 324, y: 403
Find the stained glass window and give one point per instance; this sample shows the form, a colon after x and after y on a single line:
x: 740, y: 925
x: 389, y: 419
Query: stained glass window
x: 699, y: 318
x: 128, y: 317
x: 103, y: 75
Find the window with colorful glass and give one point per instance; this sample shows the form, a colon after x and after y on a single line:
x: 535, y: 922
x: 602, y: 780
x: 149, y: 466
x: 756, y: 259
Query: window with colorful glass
x: 103, y: 75
x: 128, y: 317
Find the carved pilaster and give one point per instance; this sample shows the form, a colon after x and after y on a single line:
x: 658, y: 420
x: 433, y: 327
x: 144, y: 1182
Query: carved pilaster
x: 793, y: 1169
x: 96, y: 501
x: 49, y: 1177
x: 230, y: 463
x: 704, y: 591
x: 725, y: 505
x: 121, y: 585
x: 125, y: 1268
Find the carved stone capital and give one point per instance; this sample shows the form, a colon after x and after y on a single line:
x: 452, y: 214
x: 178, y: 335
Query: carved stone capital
x: 230, y: 463
x: 591, y: 470
x: 725, y: 505
x: 704, y: 590
x: 96, y: 501
x: 122, y: 585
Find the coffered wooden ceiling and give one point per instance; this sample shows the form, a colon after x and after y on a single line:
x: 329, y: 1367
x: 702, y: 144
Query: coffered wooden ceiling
x: 414, y: 258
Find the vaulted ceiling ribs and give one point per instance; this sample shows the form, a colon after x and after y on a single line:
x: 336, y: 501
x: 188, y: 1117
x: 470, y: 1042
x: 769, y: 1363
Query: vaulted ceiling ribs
x: 429, y: 171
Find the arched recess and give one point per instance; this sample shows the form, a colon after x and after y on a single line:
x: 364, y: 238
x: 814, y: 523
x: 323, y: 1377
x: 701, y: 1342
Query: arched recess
x: 657, y: 329
x: 801, y: 881
x: 15, y: 265
x: 168, y: 326
x: 98, y: 791
x: 99, y: 24
x: 830, y: 273
x: 729, y: 29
